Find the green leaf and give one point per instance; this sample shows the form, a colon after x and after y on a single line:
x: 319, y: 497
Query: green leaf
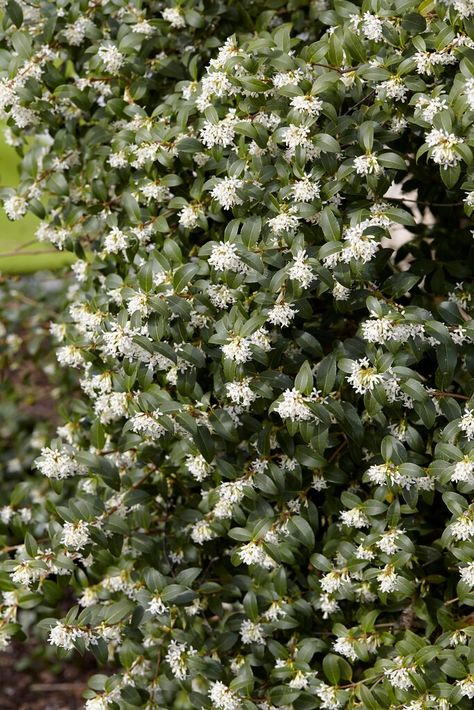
x: 414, y: 23
x: 326, y: 374
x: 329, y: 225
x: 301, y: 529
x: 184, y: 275
x: 392, y: 160
x: 178, y: 594
x: 131, y: 207
x: 304, y: 379
x: 15, y: 13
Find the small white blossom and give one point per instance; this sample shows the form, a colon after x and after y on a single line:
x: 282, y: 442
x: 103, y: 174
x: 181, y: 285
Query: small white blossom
x: 222, y: 697
x: 177, y: 656
x: 388, y: 579
x: 111, y: 58
x: 240, y: 393
x: 225, y: 192
x: 466, y: 686
x: 224, y: 257
x: 198, y: 467
x: 15, y: 207
x: 75, y: 536
x: 174, y: 15
x: 251, y: 632
x: 293, y: 406
x: 367, y: 164
x: 443, y: 146
x: 281, y: 314
x: 399, y: 675
x: 466, y: 424
x: 300, y: 270
x: 364, y: 377
x: 354, y: 518
x: 156, y: 606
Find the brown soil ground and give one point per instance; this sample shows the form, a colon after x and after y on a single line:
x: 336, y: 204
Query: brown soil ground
x: 29, y: 685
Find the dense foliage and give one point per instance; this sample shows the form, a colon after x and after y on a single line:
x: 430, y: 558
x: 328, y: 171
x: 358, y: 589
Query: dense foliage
x: 260, y: 486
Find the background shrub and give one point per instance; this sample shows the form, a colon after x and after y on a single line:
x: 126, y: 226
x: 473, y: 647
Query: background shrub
x: 261, y: 484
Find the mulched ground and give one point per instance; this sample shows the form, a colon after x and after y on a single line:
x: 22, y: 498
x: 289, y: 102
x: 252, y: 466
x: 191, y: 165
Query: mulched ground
x: 27, y: 684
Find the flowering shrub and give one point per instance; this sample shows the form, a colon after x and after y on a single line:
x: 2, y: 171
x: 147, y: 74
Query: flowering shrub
x: 261, y: 490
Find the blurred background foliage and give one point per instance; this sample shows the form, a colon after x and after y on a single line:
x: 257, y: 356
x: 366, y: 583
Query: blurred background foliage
x: 19, y: 252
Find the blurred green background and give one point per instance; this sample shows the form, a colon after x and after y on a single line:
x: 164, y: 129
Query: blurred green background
x: 18, y: 253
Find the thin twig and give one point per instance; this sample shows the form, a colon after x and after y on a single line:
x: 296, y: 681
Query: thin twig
x: 52, y: 687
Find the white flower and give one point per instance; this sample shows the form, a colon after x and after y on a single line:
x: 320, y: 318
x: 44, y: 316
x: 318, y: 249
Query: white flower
x: 300, y: 270
x: 307, y: 104
x: 75, y: 33
x: 300, y: 680
x: 240, y: 393
x: 467, y: 574
x: 293, y: 406
x: 229, y: 494
x: 111, y: 58
x: 466, y: 686
x: 224, y: 257
x: 429, y: 107
x: 225, y: 192
x: 399, y: 675
x: 237, y: 349
x: 198, y: 467
x: 443, y: 145
x: 58, y: 463
x: 177, y: 656
x: 295, y: 136
x: 372, y: 27
x: 189, y: 216
x: 463, y: 471
x: 281, y: 314
x: 398, y: 124
x: 463, y: 527
x: 70, y: 356
x: 393, y: 88
x: 328, y: 605
x: 75, y: 536
x: 367, y: 164
x: 118, y: 160
x: 115, y: 241
x: 305, y: 190
x: 466, y: 423
x: 364, y: 377
x: 340, y: 292
x: 345, y: 646
x: 64, y: 636
x: 24, y: 574
x: 333, y: 581
x: 146, y: 424
x: 156, y: 606
x: 221, y: 295
x: 15, y: 207
x: 388, y: 541
x: 354, y: 518
x: 254, y: 554
x: 328, y: 696
x: 251, y: 632
x: 174, y: 15
x: 222, y: 697
x: 111, y: 406
x: 201, y: 532
x: 284, y: 222
x: 220, y: 133
x: 388, y: 579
